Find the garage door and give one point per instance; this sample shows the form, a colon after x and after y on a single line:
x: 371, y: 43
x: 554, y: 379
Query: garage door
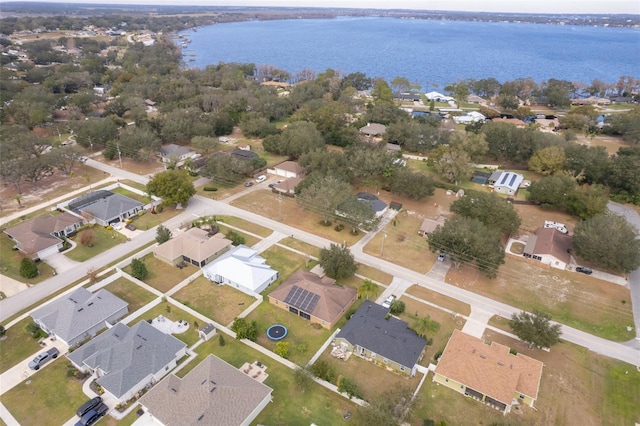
x: 47, y: 252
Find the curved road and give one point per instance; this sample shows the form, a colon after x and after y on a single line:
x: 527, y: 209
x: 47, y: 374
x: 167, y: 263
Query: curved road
x: 199, y: 205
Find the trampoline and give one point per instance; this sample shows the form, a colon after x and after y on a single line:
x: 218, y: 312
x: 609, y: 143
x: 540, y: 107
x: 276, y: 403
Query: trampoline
x: 277, y: 332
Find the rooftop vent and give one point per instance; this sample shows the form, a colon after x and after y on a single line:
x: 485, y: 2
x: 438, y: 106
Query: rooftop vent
x: 483, y: 356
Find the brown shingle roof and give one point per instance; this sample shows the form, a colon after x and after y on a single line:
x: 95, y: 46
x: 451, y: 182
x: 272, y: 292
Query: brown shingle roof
x: 195, y: 244
x: 430, y: 225
x: 213, y: 393
x: 553, y: 242
x: 334, y: 299
x: 288, y: 185
x: 489, y: 369
x: 35, y: 235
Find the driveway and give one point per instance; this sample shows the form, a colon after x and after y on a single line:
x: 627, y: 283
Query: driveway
x: 60, y: 263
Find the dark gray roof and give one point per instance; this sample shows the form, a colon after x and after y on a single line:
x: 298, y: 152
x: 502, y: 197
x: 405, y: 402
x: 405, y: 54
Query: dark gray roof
x: 174, y: 150
x: 73, y: 315
x: 391, y: 338
x: 366, y: 196
x: 127, y: 355
x: 111, y: 207
x: 377, y: 205
x: 243, y: 153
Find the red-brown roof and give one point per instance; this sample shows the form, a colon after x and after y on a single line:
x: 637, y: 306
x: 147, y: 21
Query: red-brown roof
x: 553, y: 242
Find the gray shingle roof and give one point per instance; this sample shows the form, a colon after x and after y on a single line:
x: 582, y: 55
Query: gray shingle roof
x: 73, y: 315
x: 111, y: 207
x: 213, y: 393
x: 390, y: 338
x: 173, y: 150
x: 127, y: 355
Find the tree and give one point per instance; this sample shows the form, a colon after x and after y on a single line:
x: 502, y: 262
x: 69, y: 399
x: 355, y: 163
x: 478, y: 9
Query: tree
x: 347, y: 386
x: 490, y: 209
x: 535, y: 329
x: 337, y: 262
x: 28, y: 268
x: 282, y: 349
x: 302, y: 378
x: 204, y: 144
x: 552, y: 190
x: 368, y: 288
x: 452, y: 164
x: 87, y: 237
x: 163, y: 234
x: 588, y: 201
x: 245, y: 329
x: 382, y: 92
x: 468, y: 240
x: 138, y: 269
x: 64, y: 158
x: 591, y: 162
x: 397, y: 307
x: 323, y: 195
x: 547, y: 160
x: 356, y: 213
x: 424, y: 326
x: 558, y: 92
x: 227, y: 169
x: 173, y: 186
x: 221, y: 341
x: 298, y: 138
x: 235, y: 237
x: 623, y: 178
x: 608, y: 241
x: 412, y: 184
x: 323, y: 370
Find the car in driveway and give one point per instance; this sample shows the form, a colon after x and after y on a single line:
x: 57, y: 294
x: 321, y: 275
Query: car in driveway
x: 584, y: 270
x: 43, y: 358
x: 388, y: 301
x: 88, y: 406
x: 271, y: 185
x: 441, y: 257
x: 130, y: 227
x: 248, y: 184
x: 116, y: 226
x: 93, y: 415
x: 261, y: 179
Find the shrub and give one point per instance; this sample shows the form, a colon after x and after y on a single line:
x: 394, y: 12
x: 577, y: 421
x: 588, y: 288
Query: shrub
x: 245, y: 329
x: 159, y: 208
x: 339, y: 227
x: 138, y: 269
x: 88, y: 237
x: 282, y: 349
x: 28, y: 268
x: 397, y: 307
x: 221, y: 341
x: 347, y: 386
x: 3, y: 330
x: 323, y: 370
x: 35, y: 331
x: 210, y: 188
x: 236, y: 239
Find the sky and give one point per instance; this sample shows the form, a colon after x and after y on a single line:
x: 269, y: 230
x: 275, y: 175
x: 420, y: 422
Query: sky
x: 510, y: 6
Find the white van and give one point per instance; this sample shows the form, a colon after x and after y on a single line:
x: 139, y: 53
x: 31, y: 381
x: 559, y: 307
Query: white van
x: 261, y: 178
x: 559, y: 226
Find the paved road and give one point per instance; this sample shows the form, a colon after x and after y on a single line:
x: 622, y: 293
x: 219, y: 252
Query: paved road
x: 634, y: 277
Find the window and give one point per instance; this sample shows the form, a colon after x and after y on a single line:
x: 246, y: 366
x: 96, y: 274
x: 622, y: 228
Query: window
x: 402, y: 368
x: 373, y: 356
x: 386, y: 361
x: 446, y: 380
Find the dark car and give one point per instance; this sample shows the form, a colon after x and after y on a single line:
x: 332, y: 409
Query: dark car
x: 130, y: 227
x: 248, y: 184
x: 584, y: 270
x: 88, y: 406
x: 43, y: 358
x: 93, y: 415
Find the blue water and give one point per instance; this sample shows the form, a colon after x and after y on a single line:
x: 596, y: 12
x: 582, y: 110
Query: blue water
x: 422, y: 51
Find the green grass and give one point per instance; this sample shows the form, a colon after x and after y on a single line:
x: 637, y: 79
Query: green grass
x: 49, y: 398
x: 131, y: 293
x: 245, y: 225
x: 163, y: 276
x: 17, y: 346
x: 301, y: 246
x: 304, y: 340
x: 622, y: 393
x: 105, y: 240
x: 123, y: 191
x: 249, y: 240
x: 10, y: 263
x: 173, y: 313
x: 284, y: 261
x: 148, y: 220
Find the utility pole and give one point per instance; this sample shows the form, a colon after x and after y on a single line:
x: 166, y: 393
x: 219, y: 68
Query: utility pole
x: 119, y: 154
x: 384, y: 237
x: 279, y: 205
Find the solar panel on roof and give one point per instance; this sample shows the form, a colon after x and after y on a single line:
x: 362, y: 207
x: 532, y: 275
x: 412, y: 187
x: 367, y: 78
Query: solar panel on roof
x: 301, y: 299
x: 513, y: 179
x: 504, y: 178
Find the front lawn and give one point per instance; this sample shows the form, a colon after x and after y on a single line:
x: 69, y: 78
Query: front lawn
x: 104, y: 240
x: 221, y: 303
x: 304, y: 338
x: 17, y: 345
x: 10, y: 263
x: 301, y: 246
x: 148, y: 220
x: 163, y: 276
x: 173, y: 313
x: 245, y: 225
x: 249, y: 240
x: 49, y: 397
x: 134, y: 195
x: 130, y: 292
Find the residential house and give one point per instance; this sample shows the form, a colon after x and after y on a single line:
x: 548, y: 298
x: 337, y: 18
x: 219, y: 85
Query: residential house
x: 213, y: 393
x: 127, y: 359
x: 78, y: 316
x: 475, y: 99
x: 430, y: 225
x: 407, y: 97
x: 470, y: 117
x: 243, y: 269
x: 439, y: 97
x: 391, y: 147
x: 373, y: 130
x: 374, y: 335
x: 287, y: 186
x: 549, y: 246
x: 106, y: 207
x: 194, y: 246
x: 488, y: 373
x: 317, y: 299
x: 175, y: 153
x: 505, y: 182
x: 42, y: 236
x: 288, y: 169
x: 245, y: 154
x: 378, y: 206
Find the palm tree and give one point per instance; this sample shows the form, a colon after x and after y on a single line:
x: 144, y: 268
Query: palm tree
x: 425, y: 325
x: 367, y: 288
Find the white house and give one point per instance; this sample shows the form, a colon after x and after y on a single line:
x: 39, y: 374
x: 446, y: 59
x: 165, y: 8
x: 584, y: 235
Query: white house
x: 549, y: 246
x: 470, y: 117
x: 242, y: 269
x: 173, y: 152
x: 438, y: 97
x: 505, y: 182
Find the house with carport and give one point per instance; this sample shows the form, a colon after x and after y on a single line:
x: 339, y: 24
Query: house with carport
x: 490, y: 374
x: 127, y: 359
x: 243, y: 269
x: 213, y: 393
x: 550, y: 247
x: 373, y: 334
x: 79, y: 315
x: 43, y: 236
x: 317, y: 299
x: 195, y: 246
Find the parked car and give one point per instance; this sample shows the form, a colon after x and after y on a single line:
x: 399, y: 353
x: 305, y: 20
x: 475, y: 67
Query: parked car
x: 116, y: 226
x: 584, y: 270
x: 88, y: 406
x: 43, y: 358
x: 271, y: 185
x: 441, y: 257
x: 131, y: 227
x: 248, y: 184
x: 261, y: 178
x: 93, y: 415
x: 388, y: 301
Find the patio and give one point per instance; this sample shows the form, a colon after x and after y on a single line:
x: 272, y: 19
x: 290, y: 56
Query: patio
x: 170, y: 327
x: 257, y: 370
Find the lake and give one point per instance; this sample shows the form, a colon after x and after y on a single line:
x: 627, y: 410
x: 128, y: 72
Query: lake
x: 423, y: 51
